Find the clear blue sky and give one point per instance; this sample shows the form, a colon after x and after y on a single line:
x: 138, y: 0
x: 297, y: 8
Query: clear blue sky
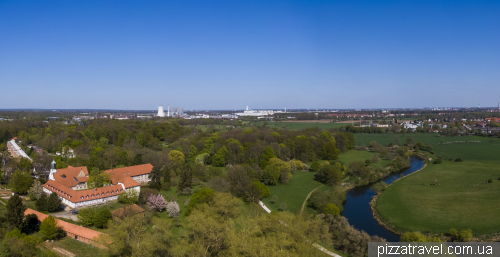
x: 265, y: 54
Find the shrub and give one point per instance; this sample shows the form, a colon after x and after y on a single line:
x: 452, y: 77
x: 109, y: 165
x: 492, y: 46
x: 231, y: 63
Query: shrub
x: 438, y: 160
x: 283, y: 206
x: 320, y: 199
x: 157, y: 202
x: 465, y: 235
x: 490, y: 180
x: 331, y: 209
x: 204, y: 195
x: 379, y: 187
x: 144, y: 195
x: 173, y: 209
x: 298, y: 164
x: 274, y: 199
x: 129, y: 196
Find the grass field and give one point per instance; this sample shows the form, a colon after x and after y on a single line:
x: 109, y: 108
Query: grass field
x: 455, y: 147
x: 79, y: 248
x: 460, y: 200
x: 294, y: 193
x: 303, y: 125
x: 361, y: 156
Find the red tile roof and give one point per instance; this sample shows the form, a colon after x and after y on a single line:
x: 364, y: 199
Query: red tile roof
x: 117, y: 174
x: 68, y: 227
x: 128, y: 182
x: 129, y: 210
x: 71, y: 176
x: 82, y: 195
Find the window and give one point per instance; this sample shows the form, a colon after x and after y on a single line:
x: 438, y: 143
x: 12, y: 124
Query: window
x: 97, y: 195
x: 87, y: 197
x: 81, y: 197
x: 92, y: 196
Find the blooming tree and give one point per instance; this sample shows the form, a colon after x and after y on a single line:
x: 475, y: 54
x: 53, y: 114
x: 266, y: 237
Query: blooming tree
x: 173, y: 209
x: 157, y: 202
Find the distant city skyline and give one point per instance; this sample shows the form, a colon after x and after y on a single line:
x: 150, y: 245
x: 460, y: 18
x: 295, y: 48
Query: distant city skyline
x: 265, y: 54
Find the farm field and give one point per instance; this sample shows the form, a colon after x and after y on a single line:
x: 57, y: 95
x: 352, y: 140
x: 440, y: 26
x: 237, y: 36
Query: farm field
x: 303, y: 125
x: 361, y: 156
x: 461, y: 199
x: 293, y: 194
x: 452, y: 147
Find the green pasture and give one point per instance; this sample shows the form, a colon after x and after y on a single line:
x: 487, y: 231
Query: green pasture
x: 79, y: 248
x: 361, y: 156
x: 426, y: 138
x: 303, y: 125
x: 459, y: 199
x: 294, y: 194
x: 448, y: 147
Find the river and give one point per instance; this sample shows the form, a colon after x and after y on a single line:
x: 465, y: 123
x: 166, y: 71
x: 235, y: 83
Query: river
x: 357, y: 205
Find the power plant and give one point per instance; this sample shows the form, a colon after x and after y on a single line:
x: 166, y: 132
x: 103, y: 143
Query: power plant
x: 161, y: 113
x: 176, y: 112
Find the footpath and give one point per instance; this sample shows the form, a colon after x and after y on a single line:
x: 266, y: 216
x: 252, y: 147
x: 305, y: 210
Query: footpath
x: 321, y: 248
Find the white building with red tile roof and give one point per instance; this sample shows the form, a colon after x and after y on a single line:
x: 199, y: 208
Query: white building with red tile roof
x: 67, y: 182
x: 73, y: 231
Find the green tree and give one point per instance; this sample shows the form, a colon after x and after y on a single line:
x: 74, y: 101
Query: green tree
x: 204, y: 195
x: 15, y: 211
x: 186, y: 181
x: 193, y: 152
x: 41, y: 203
x: 53, y: 203
x: 220, y: 157
x: 155, y: 177
x: 177, y: 158
x: 49, y: 228
x: 272, y: 174
x: 329, y: 174
x: 138, y: 160
x: 101, y: 218
x: 21, y: 181
x: 332, y: 209
x: 86, y: 216
x: 266, y: 156
x: 465, y: 235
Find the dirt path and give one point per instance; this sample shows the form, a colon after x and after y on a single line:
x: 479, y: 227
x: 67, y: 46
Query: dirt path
x: 305, y: 201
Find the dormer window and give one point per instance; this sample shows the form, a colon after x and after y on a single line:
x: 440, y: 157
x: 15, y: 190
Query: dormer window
x: 81, y: 197
x: 97, y: 195
x: 63, y: 176
x: 87, y: 197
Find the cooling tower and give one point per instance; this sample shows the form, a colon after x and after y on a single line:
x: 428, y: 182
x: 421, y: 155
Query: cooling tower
x: 160, y: 112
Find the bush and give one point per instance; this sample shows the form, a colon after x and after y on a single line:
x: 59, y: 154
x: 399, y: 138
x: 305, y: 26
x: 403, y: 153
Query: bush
x: 490, y: 180
x: 458, y: 160
x: 94, y: 217
x: 274, y: 199
x: 379, y: 187
x: 283, y: 206
x: 438, y: 160
x: 204, y: 195
x: 331, y: 209
x: 157, y: 202
x: 320, y: 199
x: 129, y: 196
x: 144, y: 195
x: 173, y: 209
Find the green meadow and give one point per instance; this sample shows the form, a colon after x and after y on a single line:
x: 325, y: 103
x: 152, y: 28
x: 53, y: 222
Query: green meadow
x: 463, y: 147
x: 295, y: 193
x: 360, y: 156
x: 303, y: 125
x: 444, y: 196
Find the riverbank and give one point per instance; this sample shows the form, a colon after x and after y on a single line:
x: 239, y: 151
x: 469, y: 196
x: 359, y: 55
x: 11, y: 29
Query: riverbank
x: 461, y: 195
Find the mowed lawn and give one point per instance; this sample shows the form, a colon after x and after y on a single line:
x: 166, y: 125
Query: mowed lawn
x: 294, y: 194
x: 460, y: 200
x: 361, y: 156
